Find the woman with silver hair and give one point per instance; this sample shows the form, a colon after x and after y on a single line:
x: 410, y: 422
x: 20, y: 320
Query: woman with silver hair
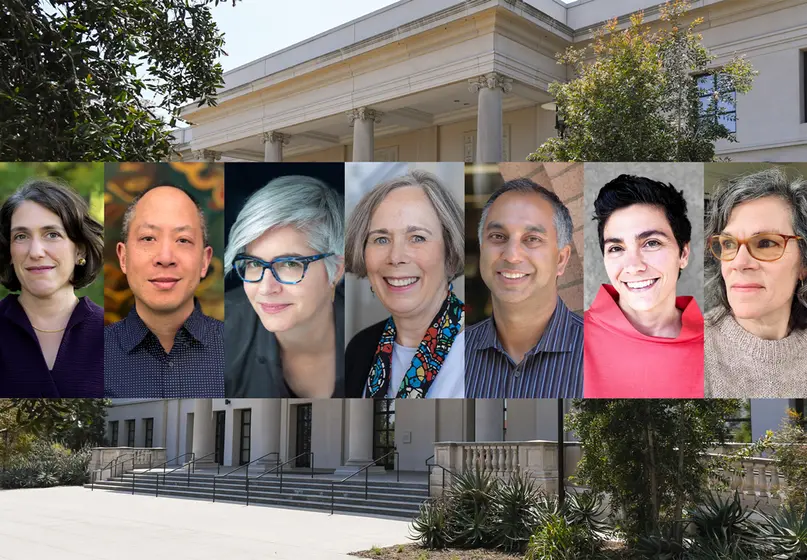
x: 756, y: 329
x: 284, y: 332
x: 406, y: 236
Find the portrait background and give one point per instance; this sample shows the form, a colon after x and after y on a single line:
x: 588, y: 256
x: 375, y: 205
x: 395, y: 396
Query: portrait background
x: 87, y: 179
x: 124, y: 181
x: 687, y: 177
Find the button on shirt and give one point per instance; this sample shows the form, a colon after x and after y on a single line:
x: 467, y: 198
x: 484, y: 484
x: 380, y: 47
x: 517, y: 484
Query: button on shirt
x: 137, y: 366
x: 553, y: 368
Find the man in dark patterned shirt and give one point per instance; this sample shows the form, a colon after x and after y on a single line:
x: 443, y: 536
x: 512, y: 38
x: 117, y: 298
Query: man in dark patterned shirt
x: 166, y: 347
x: 532, y: 346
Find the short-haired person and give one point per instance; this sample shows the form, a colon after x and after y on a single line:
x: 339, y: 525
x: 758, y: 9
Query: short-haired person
x: 407, y: 237
x: 51, y: 342
x: 285, y: 330
x: 165, y: 347
x: 532, y: 345
x: 756, y: 327
x: 641, y: 341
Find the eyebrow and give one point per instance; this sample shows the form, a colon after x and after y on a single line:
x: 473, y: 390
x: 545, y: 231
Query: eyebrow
x: 409, y: 229
x: 639, y: 236
x: 176, y: 229
x: 531, y: 228
x: 275, y: 257
x: 22, y: 228
x: 770, y: 230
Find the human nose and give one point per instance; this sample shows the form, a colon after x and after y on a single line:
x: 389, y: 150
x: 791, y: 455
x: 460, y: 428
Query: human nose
x: 633, y: 262
x: 165, y: 254
x: 269, y: 284
x: 511, y: 251
x: 36, y: 249
x: 743, y: 258
x: 398, y: 253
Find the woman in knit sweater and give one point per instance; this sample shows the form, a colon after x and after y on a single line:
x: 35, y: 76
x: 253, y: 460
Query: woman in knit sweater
x: 756, y: 324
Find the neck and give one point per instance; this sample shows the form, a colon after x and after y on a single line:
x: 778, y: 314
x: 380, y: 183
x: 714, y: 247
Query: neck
x: 410, y: 329
x: 53, y: 309
x: 663, y: 321
x: 519, y: 326
x: 773, y: 326
x: 165, y: 325
x: 320, y: 328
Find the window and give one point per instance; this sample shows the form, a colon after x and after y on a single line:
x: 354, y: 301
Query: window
x: 113, y: 433
x: 384, y: 432
x: 803, y: 71
x: 724, y: 112
x: 148, y: 424
x: 130, y: 433
x: 246, y: 435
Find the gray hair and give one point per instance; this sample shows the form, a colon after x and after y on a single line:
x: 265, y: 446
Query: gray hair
x: 560, y: 214
x: 128, y: 216
x: 753, y: 186
x: 303, y: 202
x: 448, y: 212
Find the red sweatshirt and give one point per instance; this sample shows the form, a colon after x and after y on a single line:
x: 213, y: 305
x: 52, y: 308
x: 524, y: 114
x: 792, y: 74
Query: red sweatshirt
x: 620, y: 362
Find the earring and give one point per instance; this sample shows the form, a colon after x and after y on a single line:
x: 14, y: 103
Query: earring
x: 372, y: 291
x: 82, y: 261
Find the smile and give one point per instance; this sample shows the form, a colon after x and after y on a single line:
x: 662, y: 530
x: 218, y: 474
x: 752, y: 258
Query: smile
x: 512, y: 275
x: 39, y: 269
x: 641, y: 285
x: 401, y: 282
x: 272, y: 308
x: 164, y: 283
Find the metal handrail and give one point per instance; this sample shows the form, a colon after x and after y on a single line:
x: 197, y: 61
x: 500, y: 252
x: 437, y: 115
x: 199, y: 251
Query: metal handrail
x: 245, y: 466
x: 429, y: 467
x: 163, y: 465
x: 192, y: 465
x: 108, y: 466
x: 280, y: 466
x: 134, y: 459
x: 366, y: 469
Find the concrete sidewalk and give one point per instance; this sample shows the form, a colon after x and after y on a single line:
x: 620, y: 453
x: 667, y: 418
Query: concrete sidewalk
x: 68, y: 523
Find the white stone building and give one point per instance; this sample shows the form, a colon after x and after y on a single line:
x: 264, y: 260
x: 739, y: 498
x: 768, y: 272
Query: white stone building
x: 451, y: 80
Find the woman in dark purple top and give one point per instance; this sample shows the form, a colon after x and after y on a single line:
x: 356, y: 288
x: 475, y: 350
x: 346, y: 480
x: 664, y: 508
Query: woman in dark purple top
x: 51, y: 342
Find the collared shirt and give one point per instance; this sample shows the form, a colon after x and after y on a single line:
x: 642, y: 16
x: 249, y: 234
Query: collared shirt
x: 137, y: 366
x: 553, y: 368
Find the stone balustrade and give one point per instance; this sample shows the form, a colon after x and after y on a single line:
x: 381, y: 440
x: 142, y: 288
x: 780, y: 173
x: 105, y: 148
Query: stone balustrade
x: 128, y: 458
x: 757, y: 479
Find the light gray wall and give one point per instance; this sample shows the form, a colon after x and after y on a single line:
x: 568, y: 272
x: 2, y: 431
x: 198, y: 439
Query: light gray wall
x: 687, y: 177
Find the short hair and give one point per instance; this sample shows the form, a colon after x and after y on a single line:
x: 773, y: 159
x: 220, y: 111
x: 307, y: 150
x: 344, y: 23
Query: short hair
x: 303, y: 202
x: 560, y: 214
x: 128, y: 216
x: 627, y: 190
x: 74, y: 212
x: 753, y: 186
x: 451, y: 216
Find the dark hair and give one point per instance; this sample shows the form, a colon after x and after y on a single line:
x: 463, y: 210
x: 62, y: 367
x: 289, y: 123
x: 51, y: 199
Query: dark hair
x: 128, y: 215
x: 73, y: 211
x: 627, y: 190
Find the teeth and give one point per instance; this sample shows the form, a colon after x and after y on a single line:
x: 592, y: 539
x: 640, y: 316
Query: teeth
x: 401, y: 282
x: 513, y: 275
x: 637, y: 285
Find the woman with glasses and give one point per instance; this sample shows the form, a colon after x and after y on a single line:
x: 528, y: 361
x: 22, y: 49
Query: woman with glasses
x: 756, y: 327
x: 284, y: 331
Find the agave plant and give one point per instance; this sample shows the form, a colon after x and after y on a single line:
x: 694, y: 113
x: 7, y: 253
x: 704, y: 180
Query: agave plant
x: 723, y: 520
x: 659, y: 546
x: 429, y: 527
x: 588, y: 510
x: 514, y: 515
x: 785, y: 534
x: 470, y: 520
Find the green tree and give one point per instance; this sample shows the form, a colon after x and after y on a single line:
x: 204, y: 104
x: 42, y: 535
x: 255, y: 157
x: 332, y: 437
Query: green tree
x: 102, y: 80
x: 639, y: 99
x: 75, y: 423
x: 649, y: 455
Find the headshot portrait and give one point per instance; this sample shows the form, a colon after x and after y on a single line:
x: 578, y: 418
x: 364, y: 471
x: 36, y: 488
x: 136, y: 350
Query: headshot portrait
x: 404, y: 250
x: 51, y: 258
x: 284, y: 305
x: 525, y: 275
x: 756, y: 266
x: 643, y: 323
x: 161, y: 339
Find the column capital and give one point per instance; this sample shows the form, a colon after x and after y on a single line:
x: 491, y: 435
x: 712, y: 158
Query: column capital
x: 206, y: 155
x: 493, y: 80
x: 276, y: 137
x: 363, y: 114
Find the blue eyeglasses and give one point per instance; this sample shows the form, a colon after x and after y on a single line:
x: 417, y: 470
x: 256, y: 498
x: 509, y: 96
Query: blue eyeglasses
x: 286, y: 270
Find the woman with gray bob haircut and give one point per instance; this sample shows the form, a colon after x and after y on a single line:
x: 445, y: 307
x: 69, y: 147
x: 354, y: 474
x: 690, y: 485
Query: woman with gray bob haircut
x: 284, y: 332
x: 406, y: 236
x: 756, y: 264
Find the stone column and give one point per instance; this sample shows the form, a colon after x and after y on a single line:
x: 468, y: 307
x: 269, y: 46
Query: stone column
x: 489, y: 116
x: 363, y: 120
x: 273, y: 143
x: 360, y: 437
x: 266, y: 431
x: 203, y: 429
x: 206, y: 155
x: 489, y: 419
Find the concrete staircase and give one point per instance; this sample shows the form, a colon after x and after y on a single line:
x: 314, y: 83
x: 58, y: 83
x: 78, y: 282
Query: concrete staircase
x: 385, y: 497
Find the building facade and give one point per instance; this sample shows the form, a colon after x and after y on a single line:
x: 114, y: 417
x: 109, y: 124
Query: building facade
x: 449, y: 80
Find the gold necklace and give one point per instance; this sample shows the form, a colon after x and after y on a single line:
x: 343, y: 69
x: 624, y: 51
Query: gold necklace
x: 46, y: 331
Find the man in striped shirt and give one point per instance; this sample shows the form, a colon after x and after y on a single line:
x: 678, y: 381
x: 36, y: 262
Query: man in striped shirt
x: 532, y: 345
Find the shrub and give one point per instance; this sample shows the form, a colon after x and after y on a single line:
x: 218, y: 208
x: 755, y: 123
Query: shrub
x: 557, y: 539
x: 722, y: 520
x: 46, y: 464
x: 784, y: 535
x: 514, y: 515
x: 429, y: 527
x: 470, y: 520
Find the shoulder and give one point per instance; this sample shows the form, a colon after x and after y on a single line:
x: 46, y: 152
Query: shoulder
x: 477, y: 331
x: 359, y: 358
x: 94, y: 311
x: 367, y: 338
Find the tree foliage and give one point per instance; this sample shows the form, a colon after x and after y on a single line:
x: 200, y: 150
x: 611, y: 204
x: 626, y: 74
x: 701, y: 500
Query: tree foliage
x: 638, y: 98
x: 649, y: 455
x: 75, y: 423
x: 102, y: 80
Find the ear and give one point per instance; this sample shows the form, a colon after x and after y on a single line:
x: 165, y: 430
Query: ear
x: 563, y: 259
x: 120, y: 249
x: 684, y: 260
x: 340, y: 270
x: 207, y: 256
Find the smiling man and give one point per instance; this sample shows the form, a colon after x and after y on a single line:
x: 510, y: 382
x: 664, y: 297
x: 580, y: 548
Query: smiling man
x: 641, y: 341
x: 532, y: 345
x: 166, y: 347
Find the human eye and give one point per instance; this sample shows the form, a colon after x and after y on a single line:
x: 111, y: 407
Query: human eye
x: 146, y: 238
x: 613, y: 249
x: 496, y: 237
x: 291, y: 265
x: 20, y: 237
x: 768, y: 242
x: 53, y: 235
x: 418, y: 238
x: 184, y: 241
x: 252, y: 264
x: 533, y: 239
x: 728, y: 243
x: 653, y: 244
x: 380, y: 241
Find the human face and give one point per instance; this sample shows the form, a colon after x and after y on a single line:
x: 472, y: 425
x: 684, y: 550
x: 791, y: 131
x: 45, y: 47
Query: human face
x: 405, y: 254
x: 642, y: 258
x: 164, y: 257
x: 519, y: 259
x: 282, y: 307
x: 42, y: 255
x: 760, y: 290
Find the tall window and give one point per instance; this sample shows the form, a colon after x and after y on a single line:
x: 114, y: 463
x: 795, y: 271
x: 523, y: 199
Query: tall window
x: 726, y: 111
x: 384, y: 431
x: 130, y: 433
x: 803, y: 70
x: 113, y: 433
x: 246, y: 434
x: 148, y: 424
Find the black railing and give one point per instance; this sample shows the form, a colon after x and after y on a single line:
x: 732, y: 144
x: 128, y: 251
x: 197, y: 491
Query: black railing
x: 192, y: 467
x: 429, y: 467
x: 113, y: 462
x: 280, y: 468
x: 245, y: 466
x: 134, y: 461
x: 164, y: 465
x: 366, y: 469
